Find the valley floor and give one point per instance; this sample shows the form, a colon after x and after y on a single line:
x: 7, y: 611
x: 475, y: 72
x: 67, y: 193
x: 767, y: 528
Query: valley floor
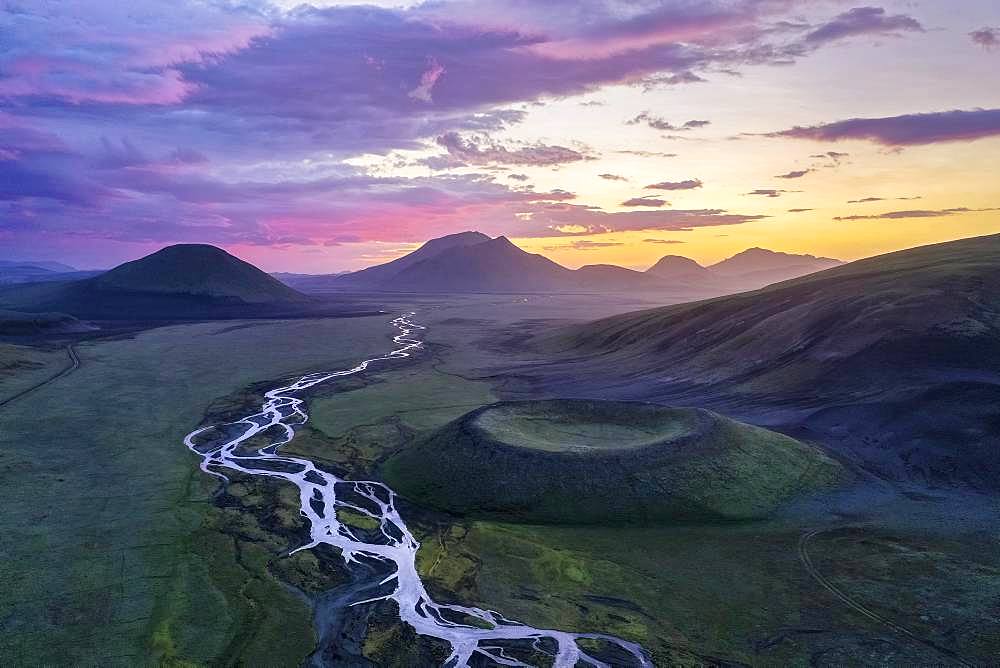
x: 119, y: 550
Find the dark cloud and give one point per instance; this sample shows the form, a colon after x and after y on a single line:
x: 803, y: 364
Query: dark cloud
x: 518, y: 177
x: 658, y: 123
x: 862, y: 21
x: 988, y: 38
x: 689, y: 184
x: 906, y: 130
x: 672, y: 80
x: 918, y: 213
x: 796, y: 174
x: 799, y: 210
x: 768, y: 192
x: 866, y: 200
x: 645, y: 201
x: 612, y: 177
x: 484, y: 151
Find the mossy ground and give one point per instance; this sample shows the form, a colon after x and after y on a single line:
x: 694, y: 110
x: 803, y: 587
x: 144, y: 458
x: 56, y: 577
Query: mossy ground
x: 113, y: 552
x: 23, y: 366
x: 694, y: 595
x: 565, y: 462
x: 117, y: 554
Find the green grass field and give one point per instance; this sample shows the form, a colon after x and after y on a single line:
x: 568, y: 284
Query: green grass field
x: 22, y: 367
x: 113, y: 554
x: 116, y: 555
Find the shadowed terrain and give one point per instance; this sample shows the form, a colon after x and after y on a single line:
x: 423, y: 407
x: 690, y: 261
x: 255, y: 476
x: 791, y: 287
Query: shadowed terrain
x: 614, y: 463
x: 186, y: 281
x: 899, y: 352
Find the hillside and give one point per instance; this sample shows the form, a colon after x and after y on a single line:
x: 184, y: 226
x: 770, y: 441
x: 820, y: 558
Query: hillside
x: 496, y: 265
x: 383, y: 274
x: 912, y: 334
x: 197, y: 270
x: 186, y: 280
x: 678, y: 267
x: 751, y: 269
x: 612, y: 278
x: 599, y: 462
x: 47, y: 265
x: 757, y: 267
x: 15, y: 324
x: 34, y: 272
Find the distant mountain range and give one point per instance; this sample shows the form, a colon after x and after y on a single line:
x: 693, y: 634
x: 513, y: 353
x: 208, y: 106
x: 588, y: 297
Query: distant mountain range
x: 202, y: 281
x: 471, y: 262
x: 47, y: 265
x: 897, y: 357
x: 186, y: 280
x: 23, y: 271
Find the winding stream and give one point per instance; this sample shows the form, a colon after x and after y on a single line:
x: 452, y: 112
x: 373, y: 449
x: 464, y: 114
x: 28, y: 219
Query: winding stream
x: 251, y: 445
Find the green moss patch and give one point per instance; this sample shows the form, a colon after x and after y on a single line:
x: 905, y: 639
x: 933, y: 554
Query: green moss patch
x: 591, y: 462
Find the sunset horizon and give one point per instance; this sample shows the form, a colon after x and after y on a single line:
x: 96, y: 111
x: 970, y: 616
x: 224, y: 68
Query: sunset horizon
x: 488, y: 333
x: 608, y: 135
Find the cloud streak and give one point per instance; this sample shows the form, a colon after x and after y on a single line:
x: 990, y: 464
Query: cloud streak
x: 645, y: 201
x: 988, y: 38
x: 658, y: 123
x: 917, y: 213
x: 906, y: 130
x: 484, y: 151
x: 862, y: 21
x: 796, y: 174
x: 688, y: 184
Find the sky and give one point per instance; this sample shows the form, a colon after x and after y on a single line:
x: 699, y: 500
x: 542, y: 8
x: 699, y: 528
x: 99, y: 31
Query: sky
x: 329, y: 136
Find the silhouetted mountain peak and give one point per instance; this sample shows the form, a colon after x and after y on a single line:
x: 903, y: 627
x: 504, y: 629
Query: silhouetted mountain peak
x: 467, y: 238
x: 774, y: 264
x: 675, y: 265
x: 198, y: 270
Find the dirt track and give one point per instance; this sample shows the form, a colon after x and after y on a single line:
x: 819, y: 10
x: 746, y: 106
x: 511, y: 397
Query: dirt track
x: 74, y: 364
x: 863, y: 609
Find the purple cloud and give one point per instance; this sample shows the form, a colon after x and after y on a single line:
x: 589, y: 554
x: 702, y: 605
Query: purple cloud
x: 906, y: 130
x: 862, y: 21
x: 672, y: 80
x: 484, y: 151
x: 658, y: 123
x: 919, y: 213
x: 229, y: 122
x: 796, y: 174
x: 767, y: 192
x: 689, y: 184
x: 645, y: 201
x: 988, y: 38
x: 612, y: 177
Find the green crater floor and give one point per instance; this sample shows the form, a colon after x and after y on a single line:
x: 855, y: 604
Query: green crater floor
x: 583, y: 427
